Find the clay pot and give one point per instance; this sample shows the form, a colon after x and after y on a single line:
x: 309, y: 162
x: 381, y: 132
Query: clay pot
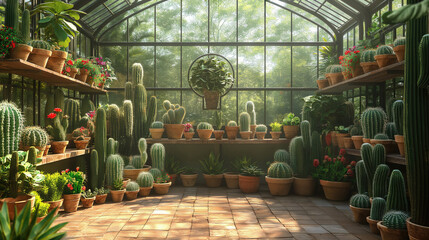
x: 260, y: 135
x: 71, y: 202
x: 173, y: 178
x: 156, y: 133
x: 334, y: 138
x: 389, y: 145
x: 348, y: 143
x: 59, y: 146
x: 291, y: 131
x: 347, y: 75
x: 21, y: 51
x: 47, y: 149
x: 134, y: 173
x: 205, y: 134
x: 41, y: 150
x: 144, y: 191
x: 39, y: 219
x: 366, y: 140
x: 336, y: 78
x: 279, y: 186
x: 328, y: 77
x: 55, y: 204
x: 87, y: 202
x: 417, y: 232
x: 117, y: 195
x: 340, y: 139
x: 231, y: 180
x: 369, y: 66
x: 161, y: 188
x: 336, y: 191
x: 73, y: 72
x: 212, y: 99
x: 357, y: 69
x: 392, y: 234
x: 218, y: 134
x: 189, y: 180
x: 373, y: 225
x: 174, y: 131
x: 245, y: 135
x: 125, y: 181
x: 100, y: 199
x: 357, y: 141
x: 400, y: 52
x: 385, y: 60
x: 248, y: 184
x: 360, y: 214
x: 82, y: 75
x: 253, y: 130
x: 39, y: 56
x: 213, y: 181
x: 304, y: 186
x: 275, y: 135
x: 18, y: 203
x: 399, y: 139
x: 56, y: 61
x: 131, y: 195
x: 322, y: 83
x: 81, y: 144
x: 189, y: 135
x: 232, y: 132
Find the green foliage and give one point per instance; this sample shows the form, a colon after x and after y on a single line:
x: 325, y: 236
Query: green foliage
x: 157, y: 124
x: 11, y: 124
x: 52, y: 187
x: 244, y: 122
x: 41, y: 206
x: 212, y: 165
x: 368, y: 56
x: 118, y: 185
x: 336, y: 69
x: 145, y: 179
x: 378, y: 208
x: 261, y: 128
x: 89, y: 194
x: 395, y: 220
x: 211, y: 74
x: 360, y: 201
x: 276, y: 127
x: 132, y: 186
x: 291, y: 120
x: 204, y: 125
x: 384, y: 50
x: 114, y: 169
x: 361, y: 178
x: 412, y: 11
x: 251, y: 170
x: 172, y: 166
x: 373, y: 122
x: 242, y: 162
x: 101, y: 191
x: 397, y: 197
x: 34, y: 136
x: 280, y: 170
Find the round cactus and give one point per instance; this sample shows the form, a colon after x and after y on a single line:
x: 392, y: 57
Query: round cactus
x: 282, y: 155
x: 399, y: 41
x: 368, y: 56
x: 114, y: 169
x: 204, y: 125
x: 381, y: 136
x: 244, y: 122
x: 261, y: 128
x: 157, y: 124
x: 395, y: 220
x: 11, y: 123
x: 155, y: 172
x: 129, y: 167
x: 378, y: 208
x: 280, y: 170
x: 373, y: 122
x: 157, y: 153
x: 336, y: 69
x: 40, y: 44
x: 132, y: 186
x: 328, y: 69
x: 232, y: 124
x: 34, y: 136
x: 360, y: 201
x: 384, y: 50
x: 145, y: 179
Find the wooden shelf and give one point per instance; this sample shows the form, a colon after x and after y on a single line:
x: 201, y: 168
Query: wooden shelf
x: 214, y: 141
x: 377, y: 76
x: 33, y: 71
x: 50, y: 158
x: 390, y: 158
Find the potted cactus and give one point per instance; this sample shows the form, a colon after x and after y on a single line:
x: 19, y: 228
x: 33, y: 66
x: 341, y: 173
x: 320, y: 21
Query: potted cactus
x: 398, y: 116
x: 188, y: 177
x: 372, y: 157
x: 101, y: 196
x: 261, y: 130
x: 356, y: 135
x: 276, y: 130
x: 117, y: 191
x: 399, y: 48
x: 367, y: 61
x: 137, y: 163
x: 377, y: 211
x: 250, y: 109
x: 204, y: 130
x: 249, y: 179
x: 132, y: 190
x: 156, y: 130
x: 58, y: 131
x: 291, y: 125
x: 231, y: 178
x: 232, y: 129
x: 88, y: 198
x: 114, y: 169
x: 41, y: 52
x: 145, y: 182
x: 189, y: 131
x: 173, y: 119
x: 17, y: 47
x: 212, y: 169
x: 393, y: 226
x: 384, y: 140
x: 279, y: 178
x: 218, y: 132
x: 335, y: 74
x: 373, y: 122
x: 360, y: 206
x: 245, y: 131
x: 385, y: 56
x: 34, y: 136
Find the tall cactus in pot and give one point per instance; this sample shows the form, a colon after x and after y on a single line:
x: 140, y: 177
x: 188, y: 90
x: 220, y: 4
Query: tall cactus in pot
x: 157, y: 153
x: 11, y: 121
x: 101, y: 143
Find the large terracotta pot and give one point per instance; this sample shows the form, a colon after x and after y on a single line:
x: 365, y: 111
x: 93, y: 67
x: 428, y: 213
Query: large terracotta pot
x: 71, y: 202
x: 73, y: 72
x: 21, y: 51
x: 336, y: 191
x: 360, y: 214
x: 369, y: 66
x: 18, y: 203
x: 218, y: 134
x: 322, y: 83
x: 260, y: 135
x: 279, y: 186
x: 40, y: 149
x: 174, y: 131
x: 400, y: 52
x: 334, y: 138
x: 56, y: 61
x: 232, y: 132
x: 373, y: 225
x: 275, y: 135
x: 117, y: 195
x: 144, y: 191
x: 385, y: 60
x: 100, y: 199
x: 357, y: 141
x: 82, y: 75
x: 231, y: 180
x: 134, y: 173
x: 81, y: 144
x: 357, y: 69
x: 399, y: 139
x: 87, y: 202
x: 291, y: 131
x: 55, y: 204
x: 417, y: 232
x: 392, y: 234
x: 253, y: 130
x: 336, y: 78
x: 389, y: 145
x: 213, y: 181
x: 189, y: 180
x: 131, y: 195
x: 39, y: 56
x: 161, y: 188
x: 245, y: 135
x: 348, y: 143
x: 248, y: 184
x: 156, y: 133
x: 212, y: 99
x: 205, y: 134
x: 304, y: 186
x: 366, y: 140
x: 189, y: 135
x: 59, y: 146
x: 340, y: 139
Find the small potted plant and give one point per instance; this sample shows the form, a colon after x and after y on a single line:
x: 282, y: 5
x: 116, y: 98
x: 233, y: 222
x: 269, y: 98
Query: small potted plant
x: 393, y: 226
x: 51, y: 191
x: 117, y: 192
x: 276, y: 130
x: 101, y: 196
x: 341, y: 133
x: 145, y: 181
x: 385, y: 56
x: 133, y: 190
x: 322, y: 82
x: 367, y: 61
x: 218, y: 132
x: 88, y: 198
x: 361, y: 207
x: 279, y: 179
x: 41, y: 206
x: 173, y: 119
x: 357, y: 135
x: 189, y: 131
x: 249, y: 179
x: 86, y: 69
x: 212, y: 169
x: 399, y: 48
x: 36, y: 137
x: 384, y: 140
x: 245, y: 131
x: 231, y: 178
x: 70, y: 68
x: 41, y: 52
x: 335, y: 74
x: 156, y: 130
x: 378, y: 208
x: 173, y: 168
x: 261, y: 130
x: 58, y: 131
x: 232, y: 130
x: 81, y: 142
x: 351, y: 61
x: 162, y: 184
x: 12, y: 45
x: 291, y: 125
x: 204, y: 130
x: 188, y: 177
x: 73, y: 189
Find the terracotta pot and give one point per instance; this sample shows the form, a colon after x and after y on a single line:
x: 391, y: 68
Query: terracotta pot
x: 275, y: 135
x: 347, y: 75
x: 56, y: 61
x: 21, y: 51
x: 253, y: 130
x: 59, y: 146
x: 400, y: 52
x: 322, y: 83
x: 369, y: 66
x: 87, y: 202
x: 161, y: 188
x: 55, y: 204
x: 392, y: 234
x: 340, y: 139
x: 291, y: 131
x: 218, y: 134
x: 189, y: 135
x: 73, y: 72
x: 131, y: 195
x: 232, y: 132
x: 205, y: 134
x: 360, y: 214
x: 41, y: 150
x: 334, y: 138
x: 189, y: 180
x: 71, y: 202
x: 156, y: 133
x: 18, y: 203
x: 213, y: 181
x: 399, y: 139
x: 134, y: 173
x: 173, y: 178
x: 357, y: 69
x: 39, y: 56
x: 279, y: 186
x: 82, y: 75
x: 385, y: 60
x: 373, y: 225
x: 125, y: 181
x: 260, y: 135
x: 348, y: 143
x: 245, y: 135
x: 144, y: 191
x: 39, y: 219
x: 47, y: 150
x: 304, y: 186
x: 174, y: 131
x: 336, y: 191
x: 81, y: 144
x: 417, y: 232
x: 336, y: 78
x: 328, y: 77
x: 117, y: 195
x: 212, y: 99
x: 366, y: 140
x: 389, y: 145
x: 357, y: 141
x: 248, y: 184
x: 231, y: 180
x: 100, y: 199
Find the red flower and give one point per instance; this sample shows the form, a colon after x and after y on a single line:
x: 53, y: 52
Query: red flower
x: 335, y: 159
x: 83, y: 188
x: 350, y: 172
x: 329, y: 159
x: 77, y: 168
x: 70, y: 62
x: 70, y: 186
x: 58, y: 110
x: 13, y: 44
x: 342, y: 152
x: 349, y: 166
x: 353, y: 163
x: 316, y: 162
x: 326, y: 157
x: 52, y: 115
x: 328, y: 139
x: 67, y: 170
x: 68, y: 69
x: 343, y: 159
x: 62, y: 172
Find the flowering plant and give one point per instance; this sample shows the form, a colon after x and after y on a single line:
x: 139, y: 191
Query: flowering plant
x: 336, y: 169
x: 350, y: 58
x: 68, y: 65
x: 94, y: 73
x: 164, y: 178
x: 107, y: 72
x: 8, y: 38
x: 189, y: 128
x: 75, y: 181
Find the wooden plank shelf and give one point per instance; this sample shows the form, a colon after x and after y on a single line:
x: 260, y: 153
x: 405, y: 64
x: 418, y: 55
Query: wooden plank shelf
x: 214, y: 141
x: 50, y: 158
x: 390, y: 158
x: 377, y: 76
x: 35, y: 72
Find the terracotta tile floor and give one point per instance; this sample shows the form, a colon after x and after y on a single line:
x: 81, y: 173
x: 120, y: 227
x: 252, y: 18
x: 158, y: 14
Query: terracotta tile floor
x: 203, y: 213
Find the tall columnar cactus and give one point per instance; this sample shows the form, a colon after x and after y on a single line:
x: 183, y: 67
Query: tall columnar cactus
x: 151, y: 114
x: 61, y: 124
x: 372, y: 157
x: 380, y: 183
x: 11, y: 123
x: 361, y: 178
x: 282, y: 155
x: 424, y: 62
x: 140, y: 161
x: 378, y: 208
x: 157, y: 153
x: 86, y: 106
x: 13, y: 175
x: 128, y: 91
x: 128, y: 118
x: 250, y: 109
x: 114, y: 169
x: 297, y: 157
x: 280, y: 170
x: 397, y: 197
x: 113, y: 115
x: 93, y: 164
x: 316, y: 146
x: 360, y: 201
x: 373, y: 122
x: 398, y: 116
x: 306, y: 139
x: 139, y: 103
x: 72, y: 109
x: 395, y: 220
x: 25, y: 26
x: 137, y: 74
x: 244, y: 119
x: 11, y: 14
x: 111, y: 147
x: 155, y: 172
x: 145, y: 179
x: 391, y: 130
x: 101, y: 143
x: 34, y: 136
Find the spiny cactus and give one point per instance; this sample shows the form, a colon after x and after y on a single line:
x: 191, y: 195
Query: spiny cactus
x: 381, y: 136
x: 232, y: 124
x: 250, y: 109
x: 72, y: 109
x: 94, y: 169
x: 32, y: 155
x: 150, y: 114
x: 157, y: 124
x: 361, y: 178
x: 59, y: 129
x: 128, y: 118
x: 132, y: 186
x: 373, y: 122
x: 399, y: 41
x: 297, y: 157
x: 391, y: 130
x: 378, y: 208
x: 157, y: 153
x: 306, y: 138
x: 114, y: 169
x: 204, y: 125
x: 395, y: 220
x: 11, y: 121
x: 335, y: 69
x: 110, y: 148
x: 261, y: 128
x: 384, y: 50
x: 40, y: 44
x: 13, y: 175
x: 398, y: 116
x: 175, y: 113
x: 372, y: 157
x: 280, y: 170
x: 145, y: 179
x: 380, y: 183
x: 139, y: 103
x: 34, y: 136
x: 316, y: 146
x: 282, y: 155
x: 368, y: 56
x: 138, y: 162
x: 113, y: 116
x: 244, y: 122
x: 156, y: 173
x: 130, y: 166
x: 25, y: 26
x: 137, y: 73
x: 397, y: 197
x: 423, y: 81
x: 101, y: 143
x: 360, y: 201
x: 128, y: 91
x: 11, y: 14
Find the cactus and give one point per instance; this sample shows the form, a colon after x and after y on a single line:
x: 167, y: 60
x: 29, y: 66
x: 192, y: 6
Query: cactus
x: 360, y: 201
x: 11, y: 14
x: 244, y: 122
x: 128, y: 91
x: 132, y: 186
x: 157, y: 124
x: 261, y: 128
x: 336, y: 69
x: 101, y: 143
x: 395, y: 220
x: 110, y: 148
x: 137, y: 74
x: 381, y: 136
x: 361, y: 178
x: 380, y: 183
x: 25, y: 26
x: 204, y: 125
x: 368, y: 56
x: 167, y: 105
x: 58, y: 132
x: 151, y: 114
x: 34, y: 136
x: 378, y: 208
x: 384, y: 50
x: 157, y: 153
x: 138, y: 162
x: 128, y: 118
x: 13, y: 175
x: 94, y: 169
x: 130, y: 166
x: 40, y: 44
x: 250, y: 109
x: 72, y: 109
x: 58, y: 98
x: 328, y: 69
x: 32, y: 155
x: 306, y: 139
x: 373, y: 122
x: 11, y: 123
x: 398, y: 116
x: 113, y: 115
x: 232, y: 124
x: 372, y: 157
x: 297, y: 157
x: 316, y: 146
x: 399, y: 41
x: 423, y: 81
x: 280, y: 170
x: 155, y: 172
x: 282, y: 155
x: 114, y: 169
x: 391, y: 130
x: 139, y: 103
x: 397, y: 197
x: 86, y: 106
x: 145, y: 179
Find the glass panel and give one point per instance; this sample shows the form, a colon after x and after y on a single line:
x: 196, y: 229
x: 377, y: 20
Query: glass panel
x: 116, y: 97
x: 250, y: 21
x: 194, y: 109
x: 229, y: 107
x: 140, y: 27
x: 143, y: 55
x: 168, y: 67
x: 278, y: 66
x: 278, y: 104
x: 303, y: 30
x: 118, y: 57
x: 116, y: 33
x: 251, y: 67
x: 168, y: 21
x: 278, y: 24
x: 223, y: 21
x: 297, y: 101
x: 195, y: 21
x: 258, y: 99
x: 304, y: 66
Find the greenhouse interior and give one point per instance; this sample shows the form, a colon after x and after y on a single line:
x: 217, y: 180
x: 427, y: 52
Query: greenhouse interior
x: 214, y: 119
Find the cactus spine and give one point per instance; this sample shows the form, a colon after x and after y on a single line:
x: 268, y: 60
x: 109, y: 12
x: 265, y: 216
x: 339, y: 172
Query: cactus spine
x: 372, y: 157
x: 132, y: 186
x: 157, y: 124
x: 94, y: 169
x: 113, y: 115
x: 205, y: 125
x: 399, y: 41
x: 145, y: 179
x: 137, y: 73
x: 157, y: 153
x: 101, y: 143
x: 25, y: 27
x: 381, y: 181
x: 297, y: 157
x: 11, y: 14
x: 373, y: 122
x: 114, y: 169
x: 128, y: 118
x: 232, y: 124
x: 11, y: 123
x: 13, y: 175
x: 72, y: 109
x: 395, y: 220
x: 111, y: 147
x: 280, y: 170
x: 34, y: 136
x: 396, y: 197
x: 361, y: 178
x: 250, y: 109
x: 360, y: 201
x: 378, y: 208
x: 155, y: 172
x: 261, y: 128
x: 244, y: 122
x: 398, y: 116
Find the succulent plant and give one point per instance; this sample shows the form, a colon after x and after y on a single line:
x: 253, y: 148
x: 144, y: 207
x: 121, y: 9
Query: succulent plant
x: 395, y: 220
x: 360, y: 201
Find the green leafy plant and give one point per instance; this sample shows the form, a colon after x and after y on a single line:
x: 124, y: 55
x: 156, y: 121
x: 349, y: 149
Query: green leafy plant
x: 276, y: 127
x: 89, y: 194
x: 163, y: 178
x: 212, y: 165
x: 341, y: 129
x: 118, y: 185
x: 291, y: 120
x: 242, y: 162
x: 172, y: 166
x: 101, y: 191
x: 52, y: 187
x: 75, y: 180
x: 43, y: 207
x: 252, y: 171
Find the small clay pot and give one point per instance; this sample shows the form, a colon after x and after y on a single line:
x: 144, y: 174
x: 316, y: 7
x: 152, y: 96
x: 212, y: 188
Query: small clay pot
x: 71, y: 202
x: 213, y: 181
x: 291, y: 131
x: 348, y: 143
x: 87, y: 202
x: 360, y: 214
x: 357, y: 141
x: 100, y: 199
x: 82, y: 144
x: 336, y: 191
x: 385, y: 60
x: 55, y: 204
x: 82, y: 75
x: 392, y: 234
x: 161, y: 188
x: 17, y: 203
x: 245, y: 135
x: 131, y: 195
x: 73, y: 72
x: 156, y: 133
x: 304, y: 186
x: 279, y: 186
x: 117, y: 195
x: 144, y: 191
x: 248, y: 184
x: 39, y: 56
x: 369, y: 66
x: 218, y: 134
x: 400, y: 52
x: 189, y: 135
x: 340, y: 139
x: 56, y: 61
x: 336, y: 78
x: 357, y: 69
x: 389, y: 145
x: 373, y: 225
x: 232, y: 132
x: 174, y: 131
x: 189, y: 180
x: 260, y: 135
x: 21, y: 51
x: 417, y: 232
x: 275, y: 135
x: 134, y: 173
x: 47, y: 149
x: 322, y: 83
x: 231, y: 180
x: 59, y: 146
x: 253, y: 130
x: 205, y: 134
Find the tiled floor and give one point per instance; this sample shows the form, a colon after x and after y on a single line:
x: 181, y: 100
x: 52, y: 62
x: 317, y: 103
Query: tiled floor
x: 203, y: 213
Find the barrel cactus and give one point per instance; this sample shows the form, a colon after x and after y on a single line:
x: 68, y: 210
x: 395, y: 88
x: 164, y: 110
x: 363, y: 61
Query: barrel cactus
x: 381, y: 136
x: 395, y: 220
x: 157, y: 124
x: 130, y: 166
x: 132, y: 186
x: 373, y: 122
x: 232, y: 124
x: 261, y: 128
x: 384, y: 50
x: 368, y: 56
x: 244, y: 122
x: 399, y: 41
x: 40, y: 44
x: 360, y: 201
x: 11, y: 121
x: 336, y: 69
x: 280, y: 170
x: 155, y: 172
x: 204, y: 126
x: 282, y: 155
x: 145, y: 179
x: 34, y: 136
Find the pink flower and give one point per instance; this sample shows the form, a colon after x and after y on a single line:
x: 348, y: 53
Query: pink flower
x: 316, y: 162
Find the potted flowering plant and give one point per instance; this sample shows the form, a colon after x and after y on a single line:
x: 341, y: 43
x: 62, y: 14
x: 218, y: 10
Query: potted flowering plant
x: 351, y: 60
x: 291, y: 125
x: 162, y: 184
x: 107, y: 72
x: 69, y: 68
x: 10, y: 44
x: 276, y: 130
x: 189, y: 131
x: 58, y: 131
x: 87, y: 71
x: 73, y: 189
